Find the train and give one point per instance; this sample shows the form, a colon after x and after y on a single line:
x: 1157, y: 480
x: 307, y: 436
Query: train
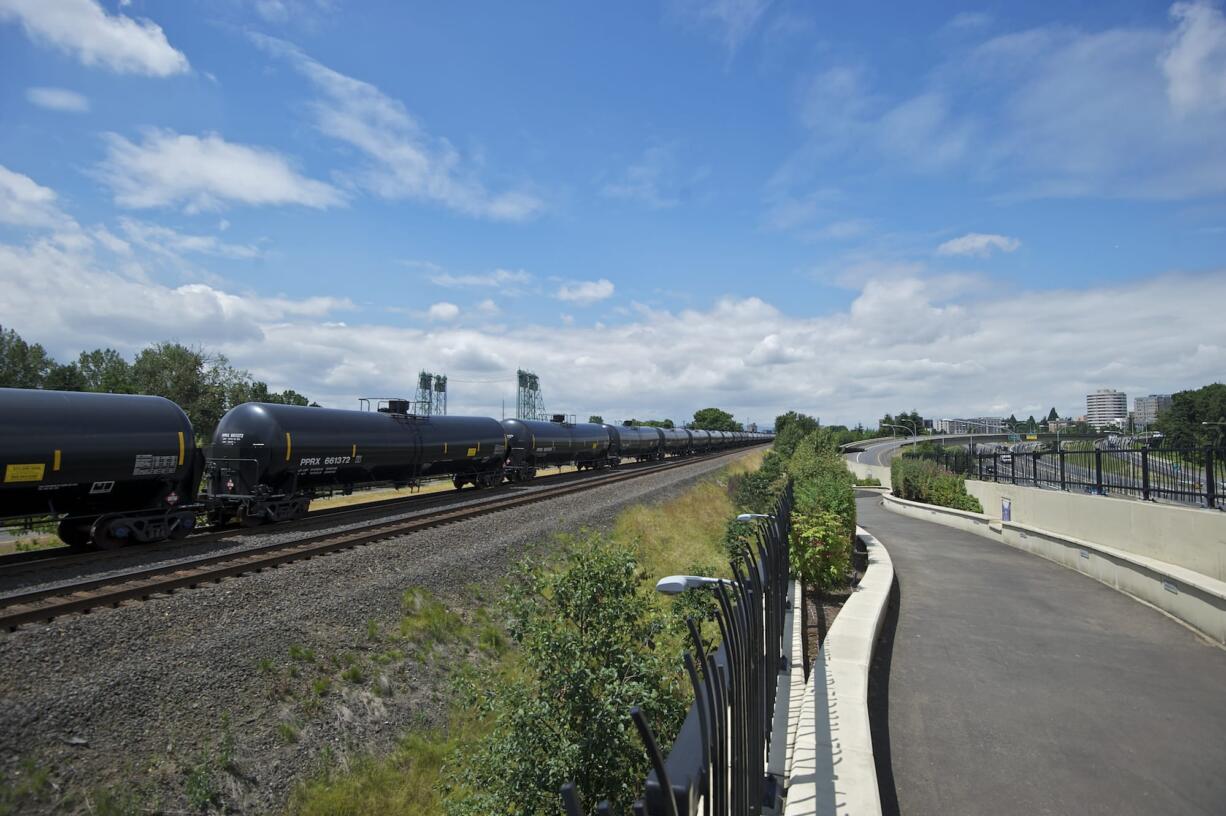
x: 115, y: 469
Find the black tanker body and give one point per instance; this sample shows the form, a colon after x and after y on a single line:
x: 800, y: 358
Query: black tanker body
x: 639, y: 442
x: 676, y: 441
x: 114, y: 468
x: 533, y: 444
x: 267, y: 460
x: 700, y: 441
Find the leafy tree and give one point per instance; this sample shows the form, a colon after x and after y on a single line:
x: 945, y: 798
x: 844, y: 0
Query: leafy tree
x: 790, y: 428
x: 714, y: 419
x: 64, y: 378
x: 1011, y: 422
x: 1052, y: 416
x: 596, y: 418
x: 1182, y: 423
x: 22, y: 365
x: 105, y: 370
x: 653, y: 423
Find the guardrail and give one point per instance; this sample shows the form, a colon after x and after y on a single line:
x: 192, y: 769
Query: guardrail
x: 718, y: 762
x: 1184, y: 475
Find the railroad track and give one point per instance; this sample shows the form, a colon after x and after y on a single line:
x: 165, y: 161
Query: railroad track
x: 83, y: 596
x: 22, y: 563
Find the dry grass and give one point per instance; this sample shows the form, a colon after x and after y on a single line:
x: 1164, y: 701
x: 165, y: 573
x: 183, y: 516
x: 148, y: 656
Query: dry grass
x: 673, y: 536
x: 439, y: 486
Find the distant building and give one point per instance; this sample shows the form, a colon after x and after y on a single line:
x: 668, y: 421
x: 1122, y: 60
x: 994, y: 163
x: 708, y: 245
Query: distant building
x: 1145, y: 410
x: 1054, y: 425
x: 1106, y: 407
x: 974, y: 425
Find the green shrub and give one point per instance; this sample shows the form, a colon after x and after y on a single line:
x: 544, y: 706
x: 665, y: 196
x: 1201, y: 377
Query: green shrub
x: 821, y: 548
x: 926, y: 481
x: 586, y: 634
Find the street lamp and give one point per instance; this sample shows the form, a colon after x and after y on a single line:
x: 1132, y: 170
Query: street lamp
x: 752, y: 516
x: 1220, y: 424
x: 892, y: 425
x: 676, y: 584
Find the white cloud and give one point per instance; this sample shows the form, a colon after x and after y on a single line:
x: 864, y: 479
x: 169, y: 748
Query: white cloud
x: 58, y: 99
x: 978, y: 244
x: 26, y: 203
x: 1195, y: 61
x: 84, y: 29
x: 488, y: 307
x: 205, y: 173
x: 172, y: 243
x: 406, y: 161
x: 499, y: 278
x: 443, y: 311
x: 585, y: 292
x: 655, y: 180
x: 1126, y: 112
x: 938, y: 345
x: 732, y: 21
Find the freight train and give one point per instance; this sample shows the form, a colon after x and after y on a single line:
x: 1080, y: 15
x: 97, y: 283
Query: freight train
x: 114, y: 469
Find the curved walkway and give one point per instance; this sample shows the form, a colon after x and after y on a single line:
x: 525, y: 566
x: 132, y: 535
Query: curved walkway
x: 1006, y: 684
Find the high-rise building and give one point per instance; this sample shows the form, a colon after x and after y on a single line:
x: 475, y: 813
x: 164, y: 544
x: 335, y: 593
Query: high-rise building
x: 1106, y: 407
x: 1145, y: 410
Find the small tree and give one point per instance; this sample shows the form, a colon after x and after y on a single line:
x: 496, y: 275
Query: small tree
x: 596, y: 418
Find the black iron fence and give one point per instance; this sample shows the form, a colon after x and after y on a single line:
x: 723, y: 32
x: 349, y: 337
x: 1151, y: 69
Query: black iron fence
x: 1186, y: 475
x: 718, y: 762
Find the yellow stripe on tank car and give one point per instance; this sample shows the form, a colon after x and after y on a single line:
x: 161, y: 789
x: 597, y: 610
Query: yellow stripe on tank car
x: 355, y: 451
x: 444, y: 447
x: 55, y: 460
x: 182, y: 451
x: 289, y: 445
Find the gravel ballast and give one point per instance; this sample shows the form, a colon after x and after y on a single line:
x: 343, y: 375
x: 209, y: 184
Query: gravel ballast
x: 227, y: 695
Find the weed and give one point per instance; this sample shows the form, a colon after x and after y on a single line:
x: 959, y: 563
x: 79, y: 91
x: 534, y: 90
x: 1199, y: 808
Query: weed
x: 31, y: 784
x: 264, y: 666
x: 353, y: 674
x: 427, y: 620
x: 201, y: 786
x: 322, y: 686
x: 390, y: 656
x: 301, y: 653
x: 372, y: 629
x: 288, y: 732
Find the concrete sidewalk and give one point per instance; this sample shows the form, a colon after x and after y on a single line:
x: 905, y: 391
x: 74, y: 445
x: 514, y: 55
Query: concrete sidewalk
x: 1016, y: 686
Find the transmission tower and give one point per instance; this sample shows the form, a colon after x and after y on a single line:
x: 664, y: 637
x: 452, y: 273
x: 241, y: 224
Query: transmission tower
x: 440, y: 395
x: 424, y: 401
x: 529, y: 403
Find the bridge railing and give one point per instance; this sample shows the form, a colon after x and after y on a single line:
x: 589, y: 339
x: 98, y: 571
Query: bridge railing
x: 1185, y: 475
x: 718, y: 762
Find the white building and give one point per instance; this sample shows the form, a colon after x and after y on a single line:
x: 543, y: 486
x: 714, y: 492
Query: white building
x: 988, y: 425
x: 1106, y: 407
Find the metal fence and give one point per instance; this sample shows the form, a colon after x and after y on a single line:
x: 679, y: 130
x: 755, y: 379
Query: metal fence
x: 718, y: 763
x: 1184, y: 475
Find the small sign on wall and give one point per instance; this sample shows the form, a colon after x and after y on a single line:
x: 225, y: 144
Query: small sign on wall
x: 1006, y: 510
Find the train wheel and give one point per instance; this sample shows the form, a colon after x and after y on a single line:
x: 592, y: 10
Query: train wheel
x: 111, y: 534
x: 301, y: 508
x: 74, y: 533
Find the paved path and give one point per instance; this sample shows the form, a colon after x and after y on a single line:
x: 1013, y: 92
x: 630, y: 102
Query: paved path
x: 1016, y: 686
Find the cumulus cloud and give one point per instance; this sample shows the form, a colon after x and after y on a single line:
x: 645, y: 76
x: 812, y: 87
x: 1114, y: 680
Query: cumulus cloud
x: 85, y: 30
x: 585, y: 292
x: 978, y: 244
x: 26, y: 203
x: 168, y: 169
x: 406, y: 161
x: 497, y: 279
x: 58, y: 99
x: 443, y: 311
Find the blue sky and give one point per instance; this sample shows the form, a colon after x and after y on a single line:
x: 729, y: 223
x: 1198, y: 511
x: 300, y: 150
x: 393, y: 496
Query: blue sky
x: 757, y: 205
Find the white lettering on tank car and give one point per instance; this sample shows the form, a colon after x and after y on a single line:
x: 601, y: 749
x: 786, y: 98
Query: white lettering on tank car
x: 317, y: 461
x: 149, y: 465
x: 231, y: 438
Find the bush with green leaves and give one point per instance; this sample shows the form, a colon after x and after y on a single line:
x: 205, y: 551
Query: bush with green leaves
x: 821, y: 548
x: 925, y: 481
x: 587, y: 634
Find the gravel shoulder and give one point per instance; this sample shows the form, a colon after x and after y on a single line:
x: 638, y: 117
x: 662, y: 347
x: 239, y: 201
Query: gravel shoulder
x: 225, y: 696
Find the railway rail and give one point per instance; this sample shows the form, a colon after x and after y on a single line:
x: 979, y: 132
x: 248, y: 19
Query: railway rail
x: 83, y: 596
x: 24, y: 562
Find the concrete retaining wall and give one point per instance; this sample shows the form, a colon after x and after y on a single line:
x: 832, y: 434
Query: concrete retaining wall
x: 863, y: 471
x: 1196, y: 599
x: 832, y: 769
x: 1187, y: 537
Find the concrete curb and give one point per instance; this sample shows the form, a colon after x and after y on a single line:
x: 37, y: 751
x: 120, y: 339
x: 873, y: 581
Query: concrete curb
x: 833, y: 771
x: 1195, y: 599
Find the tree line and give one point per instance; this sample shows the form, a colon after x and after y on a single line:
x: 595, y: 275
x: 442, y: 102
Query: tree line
x: 203, y: 383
